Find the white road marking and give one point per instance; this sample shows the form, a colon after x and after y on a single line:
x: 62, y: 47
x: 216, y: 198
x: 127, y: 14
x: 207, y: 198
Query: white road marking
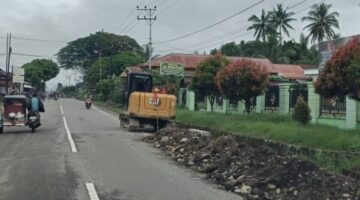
x: 104, y: 113
x: 61, y: 109
x: 69, y: 137
x: 68, y: 133
x: 92, y: 191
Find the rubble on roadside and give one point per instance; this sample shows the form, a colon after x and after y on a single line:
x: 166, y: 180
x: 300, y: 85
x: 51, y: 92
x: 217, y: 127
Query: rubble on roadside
x: 251, y: 168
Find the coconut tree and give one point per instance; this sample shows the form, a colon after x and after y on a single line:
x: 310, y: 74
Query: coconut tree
x: 321, y: 22
x: 261, y: 25
x: 280, y: 19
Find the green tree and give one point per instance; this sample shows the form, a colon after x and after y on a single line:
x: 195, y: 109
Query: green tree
x: 301, y: 112
x: 242, y: 81
x: 340, y: 77
x: 69, y: 91
x: 83, y: 52
x: 280, y: 19
x: 112, y: 65
x: 38, y: 71
x: 261, y: 25
x: 230, y: 49
x: 203, y: 82
x: 213, y: 51
x: 59, y: 87
x: 321, y: 22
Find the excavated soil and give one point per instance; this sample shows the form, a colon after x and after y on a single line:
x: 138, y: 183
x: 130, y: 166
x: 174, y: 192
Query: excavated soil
x: 252, y: 168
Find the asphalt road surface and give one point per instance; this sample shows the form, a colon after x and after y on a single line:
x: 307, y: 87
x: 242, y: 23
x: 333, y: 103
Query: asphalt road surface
x: 104, y: 163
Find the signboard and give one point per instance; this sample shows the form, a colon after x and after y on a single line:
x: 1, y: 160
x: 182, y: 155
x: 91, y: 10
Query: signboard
x: 327, y: 48
x: 175, y: 69
x: 18, y: 76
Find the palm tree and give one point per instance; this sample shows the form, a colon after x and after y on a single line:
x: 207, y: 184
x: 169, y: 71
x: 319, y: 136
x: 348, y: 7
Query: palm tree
x: 321, y: 22
x: 304, y: 41
x: 261, y: 25
x: 280, y: 19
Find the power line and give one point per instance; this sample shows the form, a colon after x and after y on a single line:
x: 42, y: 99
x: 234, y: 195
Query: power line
x: 304, y: 9
x: 205, y: 28
x: 122, y: 24
x: 38, y: 40
x: 246, y: 33
x: 222, y: 40
x: 32, y: 55
x: 168, y: 7
x: 297, y: 4
x: 131, y: 26
x: 127, y: 18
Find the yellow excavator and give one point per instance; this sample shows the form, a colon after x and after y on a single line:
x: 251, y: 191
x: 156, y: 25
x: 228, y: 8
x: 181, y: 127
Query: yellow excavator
x: 145, y: 106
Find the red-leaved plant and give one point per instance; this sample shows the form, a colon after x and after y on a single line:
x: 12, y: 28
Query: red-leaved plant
x: 242, y: 80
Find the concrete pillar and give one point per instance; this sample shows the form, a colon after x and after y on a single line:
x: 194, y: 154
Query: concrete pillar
x: 260, y: 103
x: 358, y: 114
x: 191, y: 98
x: 351, y: 113
x: 208, y: 105
x: 241, y: 107
x: 180, y: 94
x: 225, y: 106
x: 314, y: 103
x: 284, y: 101
x: 187, y: 98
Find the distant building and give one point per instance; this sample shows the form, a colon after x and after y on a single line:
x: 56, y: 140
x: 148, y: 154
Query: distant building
x: 191, y: 61
x: 3, y: 82
x: 327, y: 48
x: 311, y: 71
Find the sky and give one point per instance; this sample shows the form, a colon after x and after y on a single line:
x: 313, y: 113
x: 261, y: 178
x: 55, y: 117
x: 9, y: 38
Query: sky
x: 41, y: 27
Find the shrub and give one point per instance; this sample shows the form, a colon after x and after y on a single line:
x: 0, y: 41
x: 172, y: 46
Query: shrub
x: 301, y: 112
x: 242, y: 80
x: 118, y: 97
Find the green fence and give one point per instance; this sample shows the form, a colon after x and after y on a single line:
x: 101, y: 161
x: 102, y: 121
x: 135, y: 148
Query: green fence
x: 346, y: 116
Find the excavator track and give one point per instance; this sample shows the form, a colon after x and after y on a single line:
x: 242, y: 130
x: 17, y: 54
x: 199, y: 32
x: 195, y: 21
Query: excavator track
x: 129, y: 124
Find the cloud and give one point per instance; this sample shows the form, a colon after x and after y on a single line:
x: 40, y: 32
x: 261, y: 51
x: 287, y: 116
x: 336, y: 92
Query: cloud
x: 71, y: 19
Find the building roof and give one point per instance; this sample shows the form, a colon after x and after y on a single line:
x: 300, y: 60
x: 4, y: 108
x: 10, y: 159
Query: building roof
x: 263, y: 62
x: 289, y: 71
x: 308, y: 66
x: 191, y: 61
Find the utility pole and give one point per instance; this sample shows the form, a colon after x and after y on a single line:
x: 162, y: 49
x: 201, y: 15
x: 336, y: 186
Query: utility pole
x: 100, y: 66
x: 68, y: 78
x: 150, y: 21
x: 7, y: 64
x: 75, y: 73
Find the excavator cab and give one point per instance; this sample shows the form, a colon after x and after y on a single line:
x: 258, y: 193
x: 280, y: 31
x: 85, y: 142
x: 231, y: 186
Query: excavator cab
x: 137, y: 82
x: 143, y: 107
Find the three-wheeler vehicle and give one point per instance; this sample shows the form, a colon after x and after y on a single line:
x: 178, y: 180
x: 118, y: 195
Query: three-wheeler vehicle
x: 15, y: 113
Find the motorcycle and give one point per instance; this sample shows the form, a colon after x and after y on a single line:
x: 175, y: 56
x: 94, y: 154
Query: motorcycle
x: 33, y: 121
x: 14, y: 114
x: 88, y: 103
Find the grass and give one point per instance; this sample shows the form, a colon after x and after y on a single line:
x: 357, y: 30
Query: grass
x: 109, y: 106
x: 275, y: 127
x: 281, y: 129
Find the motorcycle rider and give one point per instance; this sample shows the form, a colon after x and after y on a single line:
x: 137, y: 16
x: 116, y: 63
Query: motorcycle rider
x: 35, y: 105
x: 88, y: 99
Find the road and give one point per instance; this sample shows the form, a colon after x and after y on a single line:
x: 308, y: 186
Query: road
x: 106, y: 162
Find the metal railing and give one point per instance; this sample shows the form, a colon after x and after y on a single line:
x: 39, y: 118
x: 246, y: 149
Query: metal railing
x: 333, y: 107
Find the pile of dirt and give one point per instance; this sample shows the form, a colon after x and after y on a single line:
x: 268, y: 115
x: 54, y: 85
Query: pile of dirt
x: 251, y: 168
